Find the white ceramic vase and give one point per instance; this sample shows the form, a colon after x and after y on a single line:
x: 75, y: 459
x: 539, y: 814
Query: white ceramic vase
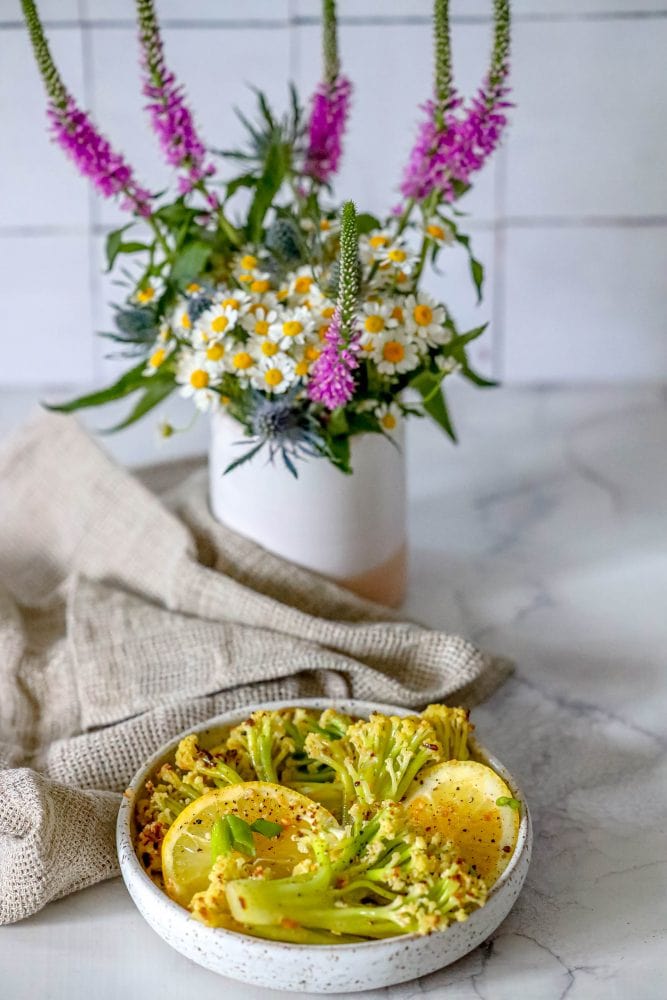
x: 351, y: 529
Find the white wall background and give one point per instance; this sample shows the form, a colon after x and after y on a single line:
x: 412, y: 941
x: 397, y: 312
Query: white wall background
x: 570, y: 218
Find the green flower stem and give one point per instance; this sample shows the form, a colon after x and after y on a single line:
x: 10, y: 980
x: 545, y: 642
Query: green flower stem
x: 404, y: 218
x: 501, y: 42
x: 330, y: 41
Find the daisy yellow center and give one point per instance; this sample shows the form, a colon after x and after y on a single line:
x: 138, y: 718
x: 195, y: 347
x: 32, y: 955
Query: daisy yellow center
x: 378, y: 241
x: 302, y: 284
x: 397, y: 313
x: 374, y: 323
x: 301, y: 368
x: 260, y: 286
x: 312, y: 353
x: 242, y: 360
x: 436, y: 232
x: 230, y: 303
x: 393, y: 351
x: 292, y: 328
x: 388, y: 421
x: 186, y: 322
x: 269, y: 348
x: 423, y: 315
x: 193, y: 287
x: 261, y: 328
x: 282, y: 294
x: 273, y: 377
x: 325, y: 225
x: 157, y: 357
x: 215, y: 352
x: 328, y: 312
x: 146, y: 294
x: 401, y: 277
x: 219, y: 324
x: 248, y: 262
x: 245, y: 278
x: 397, y: 256
x: 164, y: 334
x: 199, y: 378
x: 368, y: 347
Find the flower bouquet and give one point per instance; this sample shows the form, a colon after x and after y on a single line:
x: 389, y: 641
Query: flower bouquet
x: 300, y: 325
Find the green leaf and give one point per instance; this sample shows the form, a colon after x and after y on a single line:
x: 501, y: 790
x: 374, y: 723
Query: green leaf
x: 339, y: 453
x: 242, y: 836
x: 157, y: 389
x: 476, y: 267
x: 190, y: 263
x: 242, y: 181
x: 126, y: 384
x: 245, y: 457
x: 338, y: 423
x: 268, y: 186
x: 366, y: 223
x: 113, y: 244
x: 476, y: 378
x: 221, y: 838
x: 429, y: 386
x: 266, y: 828
x: 461, y: 339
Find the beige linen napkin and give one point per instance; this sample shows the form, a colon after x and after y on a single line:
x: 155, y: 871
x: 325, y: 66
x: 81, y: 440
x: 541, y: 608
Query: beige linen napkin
x: 126, y: 617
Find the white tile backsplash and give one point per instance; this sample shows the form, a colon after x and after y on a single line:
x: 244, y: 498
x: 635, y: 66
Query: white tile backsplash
x: 38, y: 185
x: 46, y: 310
x: 589, y: 128
x: 586, y: 304
x: 569, y: 219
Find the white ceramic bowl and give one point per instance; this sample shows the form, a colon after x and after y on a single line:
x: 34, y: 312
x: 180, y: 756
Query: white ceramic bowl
x: 314, y: 968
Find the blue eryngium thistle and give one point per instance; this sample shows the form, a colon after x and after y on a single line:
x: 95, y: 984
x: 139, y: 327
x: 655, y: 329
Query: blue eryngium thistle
x: 284, y: 428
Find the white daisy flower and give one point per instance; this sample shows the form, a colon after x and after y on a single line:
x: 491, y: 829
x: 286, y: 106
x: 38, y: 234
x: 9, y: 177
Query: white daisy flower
x: 372, y: 244
x: 147, y: 293
x: 374, y: 319
x: 216, y: 322
x: 245, y: 268
x: 276, y: 374
x: 388, y: 415
x: 196, y: 376
x: 439, y: 231
x: 234, y: 298
x: 305, y: 357
x: 158, y: 358
x: 394, y: 354
x: 181, y: 323
x: 447, y: 365
x: 302, y: 284
x: 258, y: 284
x: 240, y: 360
x: 424, y: 318
x: 258, y: 321
x: 293, y: 327
x: 396, y: 258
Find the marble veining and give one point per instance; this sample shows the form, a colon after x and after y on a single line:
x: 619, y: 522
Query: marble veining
x: 543, y: 538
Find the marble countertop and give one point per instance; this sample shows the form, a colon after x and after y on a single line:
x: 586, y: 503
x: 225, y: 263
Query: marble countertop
x: 543, y: 537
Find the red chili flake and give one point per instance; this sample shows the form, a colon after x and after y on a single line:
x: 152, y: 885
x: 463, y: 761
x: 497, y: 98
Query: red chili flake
x: 243, y: 903
x: 507, y: 849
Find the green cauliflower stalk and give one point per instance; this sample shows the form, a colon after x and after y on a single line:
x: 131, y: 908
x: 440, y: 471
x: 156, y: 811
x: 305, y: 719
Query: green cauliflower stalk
x: 264, y: 738
x: 452, y: 728
x: 378, y: 759
x: 374, y: 880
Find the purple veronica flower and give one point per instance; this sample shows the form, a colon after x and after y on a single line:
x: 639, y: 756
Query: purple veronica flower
x: 170, y: 116
x: 328, y: 118
x: 94, y: 157
x: 332, y: 382
x: 449, y: 154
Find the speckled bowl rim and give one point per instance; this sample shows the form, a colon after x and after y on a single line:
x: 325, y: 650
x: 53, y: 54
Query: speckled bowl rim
x: 131, y: 867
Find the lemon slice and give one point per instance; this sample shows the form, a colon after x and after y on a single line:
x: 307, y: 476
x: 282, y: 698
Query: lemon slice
x: 459, y: 799
x: 186, y: 851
